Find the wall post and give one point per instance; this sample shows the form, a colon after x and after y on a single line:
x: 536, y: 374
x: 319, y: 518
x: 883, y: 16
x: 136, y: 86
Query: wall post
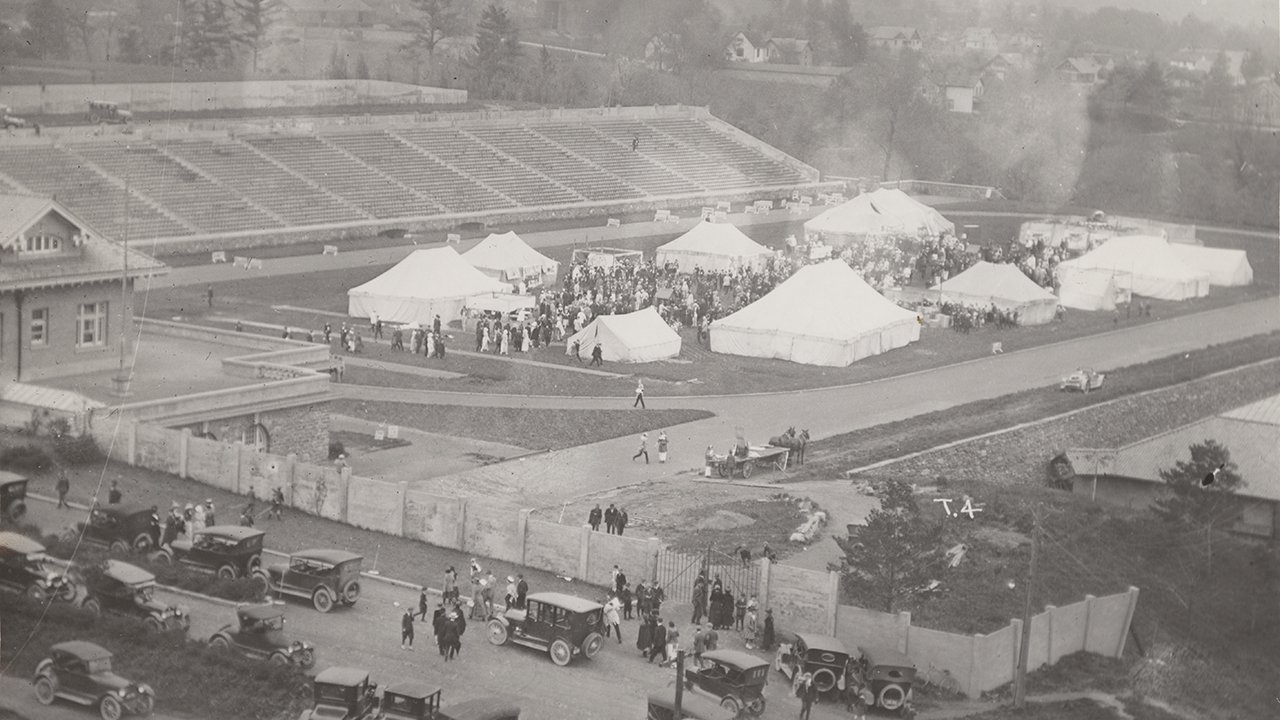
x: 833, y: 601
x: 1089, y: 600
x: 584, y: 551
x: 184, y: 439
x: 287, y: 474
x: 1049, y: 612
x: 904, y: 632
x: 344, y: 479
x: 461, y: 541
x: 763, y: 591
x: 235, y: 478
x: 1016, y: 641
x: 653, y: 546
x: 971, y: 688
x: 132, y: 459
x: 1128, y: 621
x: 522, y: 533
x: 401, y: 503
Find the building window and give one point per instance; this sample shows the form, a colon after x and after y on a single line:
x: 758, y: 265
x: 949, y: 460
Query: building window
x: 40, y: 327
x: 44, y: 243
x: 91, y: 325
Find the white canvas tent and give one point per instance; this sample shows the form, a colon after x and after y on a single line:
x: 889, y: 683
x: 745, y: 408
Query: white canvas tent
x: 825, y: 314
x: 1085, y: 290
x: 882, y: 212
x: 1226, y: 267
x: 713, y: 246
x: 1004, y: 286
x: 500, y: 302
x: 640, y: 336
x: 425, y: 284
x: 1142, y: 264
x: 508, y: 258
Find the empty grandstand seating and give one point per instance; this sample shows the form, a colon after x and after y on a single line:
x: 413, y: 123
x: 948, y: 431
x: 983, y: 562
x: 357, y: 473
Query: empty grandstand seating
x: 205, y: 185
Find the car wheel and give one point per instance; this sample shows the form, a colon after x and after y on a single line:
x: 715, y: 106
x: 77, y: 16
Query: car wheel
x: 591, y: 646
x: 560, y: 651
x: 46, y: 690
x: 227, y: 572
x: 36, y: 593
x: 307, y: 659
x: 146, y: 705
x: 119, y: 546
x: 94, y: 607
x: 824, y: 680
x: 263, y: 581
x: 747, y: 468
x: 109, y: 708
x: 67, y: 592
x: 254, y: 563
x: 153, y: 624
x: 322, y: 601
x: 17, y: 511
x: 279, y: 659
x: 756, y: 706
x: 891, y: 697
x: 142, y: 543
x: 497, y: 632
x: 351, y: 593
x: 163, y: 558
x: 220, y: 642
x: 731, y: 704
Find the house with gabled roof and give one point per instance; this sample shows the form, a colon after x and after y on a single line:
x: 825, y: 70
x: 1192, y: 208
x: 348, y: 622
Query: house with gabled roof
x: 790, y: 51
x: 982, y: 39
x: 958, y: 89
x: 1130, y: 475
x: 896, y: 37
x: 747, y: 46
x: 1079, y: 71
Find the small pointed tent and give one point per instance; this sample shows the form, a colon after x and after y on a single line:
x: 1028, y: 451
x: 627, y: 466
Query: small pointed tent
x: 507, y: 258
x: 1142, y: 264
x: 713, y: 246
x: 1227, y: 268
x: 424, y: 284
x: 1086, y: 291
x: 881, y: 212
x: 1004, y: 286
x: 824, y: 314
x: 640, y: 336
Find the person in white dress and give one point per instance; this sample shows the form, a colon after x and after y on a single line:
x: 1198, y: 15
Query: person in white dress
x: 484, y: 340
x: 524, y: 339
x: 506, y: 343
x: 431, y: 344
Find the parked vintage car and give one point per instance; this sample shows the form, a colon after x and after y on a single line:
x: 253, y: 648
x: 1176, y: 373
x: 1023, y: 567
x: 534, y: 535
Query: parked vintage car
x: 232, y: 551
x: 25, y: 569
x: 81, y: 672
x: 101, y: 111
x: 9, y: 120
x: 822, y: 655
x: 1083, y: 379
x: 891, y: 675
x: 13, y: 496
x: 662, y: 706
x: 119, y: 588
x: 119, y: 527
x: 324, y: 577
x: 260, y: 634
x: 733, y: 679
x: 563, y: 625
x: 343, y: 694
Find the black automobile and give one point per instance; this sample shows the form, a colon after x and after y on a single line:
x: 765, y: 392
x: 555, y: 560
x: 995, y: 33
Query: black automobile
x: 731, y: 678
x: 822, y: 655
x: 81, y: 672
x: 13, y: 496
x: 118, y: 588
x: 890, y: 674
x: 120, y: 527
x: 260, y: 634
x: 343, y: 694
x: 25, y: 569
x: 563, y: 625
x: 231, y: 551
x: 324, y: 577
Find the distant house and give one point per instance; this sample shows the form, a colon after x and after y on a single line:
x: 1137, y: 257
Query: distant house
x: 1130, y: 475
x: 957, y: 89
x: 327, y: 13
x: 747, y: 46
x: 982, y: 39
x: 1261, y: 103
x: 1078, y: 71
x: 790, y: 51
x: 1001, y: 64
x: 1201, y: 62
x: 896, y: 37
x: 660, y: 51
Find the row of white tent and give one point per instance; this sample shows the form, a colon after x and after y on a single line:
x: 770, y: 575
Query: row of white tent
x: 887, y: 211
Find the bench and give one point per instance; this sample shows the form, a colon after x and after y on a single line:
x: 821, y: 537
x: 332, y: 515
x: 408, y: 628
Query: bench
x: 330, y: 250
x: 614, y: 222
x: 218, y: 257
x: 454, y: 238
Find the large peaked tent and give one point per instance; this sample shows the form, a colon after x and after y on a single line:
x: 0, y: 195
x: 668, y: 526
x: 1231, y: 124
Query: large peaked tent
x: 1226, y: 267
x: 824, y: 314
x: 640, y: 336
x: 713, y: 246
x: 424, y: 284
x: 1004, y: 286
x: 1085, y: 291
x: 882, y: 212
x: 508, y: 258
x: 1142, y: 264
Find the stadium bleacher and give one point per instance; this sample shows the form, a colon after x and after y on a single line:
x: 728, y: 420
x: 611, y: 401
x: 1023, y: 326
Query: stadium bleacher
x: 211, y: 184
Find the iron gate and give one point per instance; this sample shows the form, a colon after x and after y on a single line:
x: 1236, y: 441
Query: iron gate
x: 677, y: 571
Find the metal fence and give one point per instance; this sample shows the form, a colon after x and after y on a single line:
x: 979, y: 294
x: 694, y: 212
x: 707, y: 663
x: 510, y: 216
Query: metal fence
x: 678, y: 571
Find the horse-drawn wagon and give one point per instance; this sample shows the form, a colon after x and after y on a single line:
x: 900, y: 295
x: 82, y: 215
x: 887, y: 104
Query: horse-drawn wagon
x: 744, y: 458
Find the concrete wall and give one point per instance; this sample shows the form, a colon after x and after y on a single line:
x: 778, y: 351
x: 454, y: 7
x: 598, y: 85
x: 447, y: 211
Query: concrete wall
x: 214, y: 460
x: 605, y: 551
x: 800, y: 599
x: 554, y: 547
x: 433, y: 519
x: 202, y: 96
x: 376, y: 505
x: 859, y: 626
x: 490, y: 532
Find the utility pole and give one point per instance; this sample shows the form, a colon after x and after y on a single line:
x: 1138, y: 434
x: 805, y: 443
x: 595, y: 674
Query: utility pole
x: 679, y: 684
x: 1020, y: 680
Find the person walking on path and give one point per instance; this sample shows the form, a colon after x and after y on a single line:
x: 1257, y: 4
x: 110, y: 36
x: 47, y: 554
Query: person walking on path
x: 673, y: 643
x: 662, y: 446
x: 486, y: 594
x: 612, y: 621
x: 63, y: 487
x: 113, y: 496
x: 422, y: 603
x: 644, y: 448
x: 209, y: 296
x: 808, y: 693
x: 277, y: 507
x: 450, y: 585
x: 639, y: 395
x: 620, y: 521
x: 644, y: 638
x: 740, y: 611
x: 406, y: 629
x: 593, y: 519
x: 699, y: 643
x: 712, y: 639
x: 658, y: 642
x: 625, y: 596
x: 450, y: 640
x: 438, y: 620
x: 511, y: 592
x: 597, y: 356
x: 522, y: 591
x: 766, y: 638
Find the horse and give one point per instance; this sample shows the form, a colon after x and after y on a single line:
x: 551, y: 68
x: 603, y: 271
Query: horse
x: 793, y: 442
